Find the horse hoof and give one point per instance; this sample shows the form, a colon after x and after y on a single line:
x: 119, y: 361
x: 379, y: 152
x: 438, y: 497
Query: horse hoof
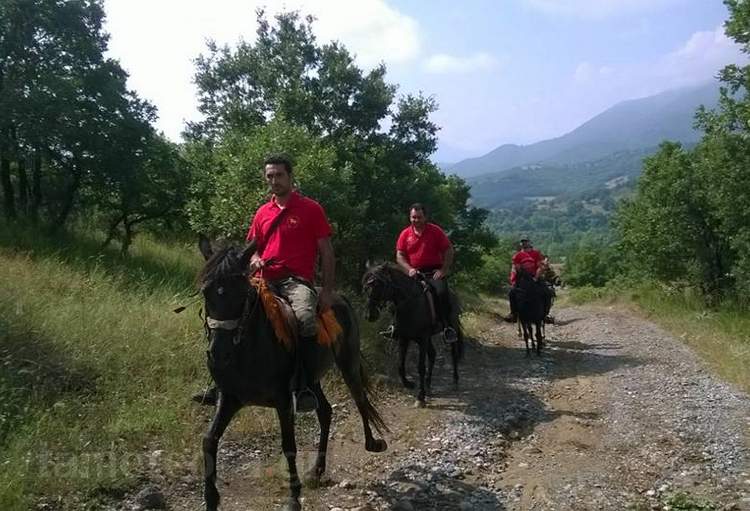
x: 420, y: 403
x: 312, y: 479
x: 408, y: 384
x: 377, y: 445
x: 291, y: 505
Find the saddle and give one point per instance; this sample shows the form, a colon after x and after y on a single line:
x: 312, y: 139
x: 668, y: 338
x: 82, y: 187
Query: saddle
x: 284, y: 323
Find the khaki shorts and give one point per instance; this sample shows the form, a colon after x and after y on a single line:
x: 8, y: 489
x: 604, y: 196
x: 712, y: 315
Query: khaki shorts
x: 304, y: 302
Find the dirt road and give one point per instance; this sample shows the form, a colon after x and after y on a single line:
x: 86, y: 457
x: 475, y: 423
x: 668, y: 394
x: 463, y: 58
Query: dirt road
x: 616, y: 414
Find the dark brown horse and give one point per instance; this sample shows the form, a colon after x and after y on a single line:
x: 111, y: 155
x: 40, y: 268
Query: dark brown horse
x: 387, y: 283
x: 531, y: 300
x: 251, y: 367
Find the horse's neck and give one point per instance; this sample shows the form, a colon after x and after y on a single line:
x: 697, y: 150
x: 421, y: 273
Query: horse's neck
x: 405, y: 287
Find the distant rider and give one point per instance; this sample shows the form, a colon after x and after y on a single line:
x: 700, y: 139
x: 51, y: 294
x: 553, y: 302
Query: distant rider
x: 423, y: 248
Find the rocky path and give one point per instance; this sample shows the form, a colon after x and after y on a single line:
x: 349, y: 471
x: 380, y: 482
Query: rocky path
x: 616, y: 414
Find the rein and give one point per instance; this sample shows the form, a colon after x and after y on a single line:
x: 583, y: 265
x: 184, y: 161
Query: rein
x: 233, y: 324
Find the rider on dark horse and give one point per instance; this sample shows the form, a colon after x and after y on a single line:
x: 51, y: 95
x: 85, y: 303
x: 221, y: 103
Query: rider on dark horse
x: 423, y: 250
x: 533, y: 261
x: 290, y: 230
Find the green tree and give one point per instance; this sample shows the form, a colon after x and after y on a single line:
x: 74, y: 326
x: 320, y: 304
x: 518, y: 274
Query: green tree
x: 286, y: 92
x: 65, y: 109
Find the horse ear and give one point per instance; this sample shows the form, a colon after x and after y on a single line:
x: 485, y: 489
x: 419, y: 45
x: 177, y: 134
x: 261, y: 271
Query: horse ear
x: 205, y: 247
x: 247, y: 253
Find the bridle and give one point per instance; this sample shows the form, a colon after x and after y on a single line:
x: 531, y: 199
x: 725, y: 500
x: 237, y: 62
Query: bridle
x: 233, y: 325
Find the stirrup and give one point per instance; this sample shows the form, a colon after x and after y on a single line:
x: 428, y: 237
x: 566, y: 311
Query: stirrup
x: 304, y: 400
x: 389, y: 333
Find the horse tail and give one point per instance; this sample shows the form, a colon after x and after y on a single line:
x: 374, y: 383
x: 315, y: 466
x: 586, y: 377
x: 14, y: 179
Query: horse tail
x: 368, y: 409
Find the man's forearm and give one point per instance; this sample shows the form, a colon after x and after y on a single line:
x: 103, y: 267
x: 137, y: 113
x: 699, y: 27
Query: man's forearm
x: 401, y: 260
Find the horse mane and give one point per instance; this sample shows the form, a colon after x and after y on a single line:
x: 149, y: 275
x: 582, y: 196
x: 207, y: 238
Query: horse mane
x: 387, y: 271
x: 222, y: 263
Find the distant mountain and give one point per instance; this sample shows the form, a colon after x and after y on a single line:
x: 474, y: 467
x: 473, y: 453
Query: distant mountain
x: 628, y: 126
x: 540, y: 183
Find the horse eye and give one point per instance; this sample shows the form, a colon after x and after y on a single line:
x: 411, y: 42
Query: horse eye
x: 220, y: 291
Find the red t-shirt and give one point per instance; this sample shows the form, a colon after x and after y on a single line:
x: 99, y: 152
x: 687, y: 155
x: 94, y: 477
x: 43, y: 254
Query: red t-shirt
x: 423, y: 251
x: 293, y: 244
x: 529, y: 260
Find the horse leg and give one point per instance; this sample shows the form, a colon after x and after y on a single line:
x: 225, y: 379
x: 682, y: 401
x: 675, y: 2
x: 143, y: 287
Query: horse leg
x: 403, y: 347
x: 422, y: 362
x: 456, y: 356
x: 324, y: 412
x: 430, y: 365
x: 225, y: 409
x: 289, y: 447
x: 526, y: 336
x: 539, y: 337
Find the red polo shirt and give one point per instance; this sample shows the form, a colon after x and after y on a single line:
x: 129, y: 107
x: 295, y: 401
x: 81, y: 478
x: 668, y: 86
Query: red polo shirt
x: 529, y: 260
x: 423, y: 251
x: 293, y: 244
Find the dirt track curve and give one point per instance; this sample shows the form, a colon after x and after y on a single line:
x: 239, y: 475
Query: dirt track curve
x: 616, y: 414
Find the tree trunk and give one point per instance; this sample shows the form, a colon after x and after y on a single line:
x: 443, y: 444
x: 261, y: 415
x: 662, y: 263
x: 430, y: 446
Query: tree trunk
x: 69, y: 200
x: 128, y: 236
x: 9, y: 204
x: 36, y: 186
x: 23, y: 186
x: 112, y: 231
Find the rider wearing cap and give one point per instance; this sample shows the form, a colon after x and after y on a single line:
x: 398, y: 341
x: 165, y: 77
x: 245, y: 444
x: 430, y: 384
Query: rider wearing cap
x: 424, y: 248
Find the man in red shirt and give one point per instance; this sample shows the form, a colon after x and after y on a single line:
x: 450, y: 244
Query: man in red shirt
x: 423, y: 248
x: 290, y: 231
x: 528, y: 258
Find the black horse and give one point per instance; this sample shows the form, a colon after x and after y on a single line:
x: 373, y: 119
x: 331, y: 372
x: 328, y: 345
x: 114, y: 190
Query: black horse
x: 387, y: 283
x: 251, y: 367
x: 531, y: 302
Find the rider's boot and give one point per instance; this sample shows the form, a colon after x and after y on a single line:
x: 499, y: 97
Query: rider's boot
x: 390, y: 332
x: 303, y: 398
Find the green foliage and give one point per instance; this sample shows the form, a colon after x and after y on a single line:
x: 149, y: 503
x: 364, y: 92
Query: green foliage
x: 685, y: 502
x: 688, y: 221
x: 491, y: 274
x: 284, y: 92
x: 73, y: 139
x: 594, y: 263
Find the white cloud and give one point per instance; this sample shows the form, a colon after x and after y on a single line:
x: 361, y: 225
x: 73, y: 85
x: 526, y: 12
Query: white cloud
x: 586, y: 72
x: 596, y: 9
x: 156, y: 41
x: 697, y: 60
x: 370, y: 28
x: 701, y: 57
x: 444, y: 63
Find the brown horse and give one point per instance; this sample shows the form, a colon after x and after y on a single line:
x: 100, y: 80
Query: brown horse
x: 251, y: 367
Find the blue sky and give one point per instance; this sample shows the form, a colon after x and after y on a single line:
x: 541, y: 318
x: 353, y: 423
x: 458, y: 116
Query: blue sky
x: 503, y: 71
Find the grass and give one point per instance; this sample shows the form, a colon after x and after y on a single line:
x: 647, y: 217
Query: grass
x: 94, y: 366
x: 720, y: 335
x: 96, y: 370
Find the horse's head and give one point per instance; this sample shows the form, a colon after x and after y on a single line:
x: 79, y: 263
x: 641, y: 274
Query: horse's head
x: 376, y: 285
x: 227, y: 295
